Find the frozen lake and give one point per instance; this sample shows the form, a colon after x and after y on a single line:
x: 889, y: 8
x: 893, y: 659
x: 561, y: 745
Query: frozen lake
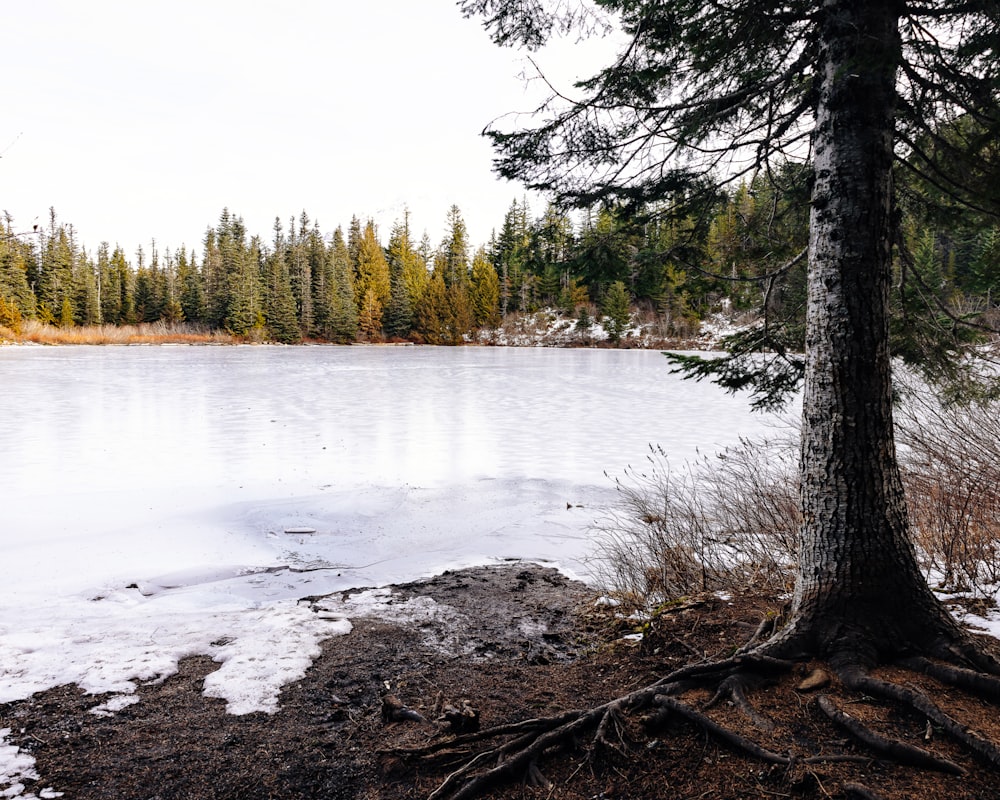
x: 116, y: 452
x: 147, y: 491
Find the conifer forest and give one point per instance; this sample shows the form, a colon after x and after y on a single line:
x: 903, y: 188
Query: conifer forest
x: 742, y: 258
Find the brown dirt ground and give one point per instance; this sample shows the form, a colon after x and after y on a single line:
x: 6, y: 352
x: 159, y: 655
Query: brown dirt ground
x: 523, y: 642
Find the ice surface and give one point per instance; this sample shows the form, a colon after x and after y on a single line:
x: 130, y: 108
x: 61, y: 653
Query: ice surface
x: 148, y: 491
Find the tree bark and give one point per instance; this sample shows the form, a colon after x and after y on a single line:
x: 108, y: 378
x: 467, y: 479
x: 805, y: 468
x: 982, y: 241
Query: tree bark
x: 859, y: 592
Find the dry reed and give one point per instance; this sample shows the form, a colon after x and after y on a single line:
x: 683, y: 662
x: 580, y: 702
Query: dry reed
x: 36, y: 332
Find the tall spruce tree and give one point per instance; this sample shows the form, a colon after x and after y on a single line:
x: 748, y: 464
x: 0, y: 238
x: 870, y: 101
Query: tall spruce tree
x: 453, y: 255
x: 300, y: 271
x: 484, y: 291
x: 708, y: 92
x: 402, y: 260
x: 510, y: 254
x: 323, y: 286
x: 189, y: 288
x: 15, y: 256
x: 279, y: 301
x: 372, y: 285
x: 344, y: 313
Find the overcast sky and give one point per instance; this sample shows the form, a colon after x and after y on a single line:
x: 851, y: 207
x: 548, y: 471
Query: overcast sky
x: 142, y: 120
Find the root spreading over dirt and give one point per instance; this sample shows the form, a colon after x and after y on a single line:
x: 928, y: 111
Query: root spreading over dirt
x: 496, y: 646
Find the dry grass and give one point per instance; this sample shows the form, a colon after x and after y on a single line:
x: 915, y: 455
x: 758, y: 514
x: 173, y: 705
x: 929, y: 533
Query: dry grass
x: 35, y: 332
x: 726, y: 523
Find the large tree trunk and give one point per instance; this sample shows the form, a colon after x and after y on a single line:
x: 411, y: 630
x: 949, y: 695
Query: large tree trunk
x: 859, y: 593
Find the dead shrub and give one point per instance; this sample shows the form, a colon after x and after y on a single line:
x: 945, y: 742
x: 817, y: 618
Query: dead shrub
x: 950, y: 456
x: 720, y: 524
x: 731, y: 522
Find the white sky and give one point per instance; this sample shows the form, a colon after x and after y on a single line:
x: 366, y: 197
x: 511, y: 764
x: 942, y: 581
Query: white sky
x: 138, y: 121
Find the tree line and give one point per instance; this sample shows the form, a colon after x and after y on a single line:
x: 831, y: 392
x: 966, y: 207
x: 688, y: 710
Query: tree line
x: 304, y: 284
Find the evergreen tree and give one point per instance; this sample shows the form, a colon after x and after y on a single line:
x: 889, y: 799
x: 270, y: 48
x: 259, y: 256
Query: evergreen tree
x: 323, y: 286
x: 617, y: 311
x: 279, y: 301
x: 124, y: 284
x: 245, y: 315
x: 372, y: 284
x: 55, y: 282
x: 510, y: 255
x: 146, y: 306
x: 300, y: 271
x: 344, y: 313
x: 190, y: 294
x: 484, y: 292
x: 703, y: 88
x: 454, y: 250
x: 397, y: 321
x: 404, y: 267
x: 354, y: 237
x: 432, y: 312
x: 459, y: 319
x: 216, y: 286
x: 15, y: 287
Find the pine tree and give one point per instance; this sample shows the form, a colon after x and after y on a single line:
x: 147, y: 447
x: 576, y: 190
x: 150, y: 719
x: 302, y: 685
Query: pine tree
x: 323, y: 285
x: 484, y: 292
x: 698, y: 91
x: 15, y: 287
x: 216, y: 286
x: 432, y: 312
x: 190, y: 294
x: 344, y: 313
x: 459, y: 319
x: 616, y: 309
x: 510, y: 256
x: 279, y: 301
x: 55, y: 283
x: 408, y: 277
x: 372, y: 284
x: 454, y: 250
x: 300, y: 271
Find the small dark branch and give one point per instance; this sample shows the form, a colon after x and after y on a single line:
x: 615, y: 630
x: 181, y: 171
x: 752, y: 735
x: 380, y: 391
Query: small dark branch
x: 609, y: 732
x: 456, y: 777
x: 894, y: 749
x: 979, y: 684
x: 530, y: 727
x: 518, y: 764
x: 855, y: 791
x: 729, y: 737
x: 763, y: 631
x: 859, y: 681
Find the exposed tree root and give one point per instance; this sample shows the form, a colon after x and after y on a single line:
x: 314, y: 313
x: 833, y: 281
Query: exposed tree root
x: 977, y: 683
x: 893, y: 749
x: 732, y: 680
x: 734, y: 688
x: 862, y: 682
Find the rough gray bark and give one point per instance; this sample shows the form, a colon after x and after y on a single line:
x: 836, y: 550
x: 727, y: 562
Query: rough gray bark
x: 859, y: 594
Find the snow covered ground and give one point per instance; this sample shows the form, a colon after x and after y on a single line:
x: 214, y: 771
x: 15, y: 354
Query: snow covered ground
x: 160, y: 502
